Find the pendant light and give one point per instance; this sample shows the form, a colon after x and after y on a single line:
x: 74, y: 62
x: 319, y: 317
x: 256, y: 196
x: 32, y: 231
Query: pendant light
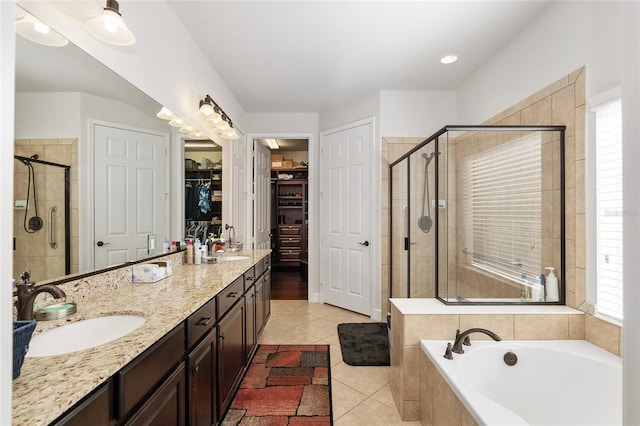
x: 110, y: 27
x: 36, y: 31
x: 165, y: 114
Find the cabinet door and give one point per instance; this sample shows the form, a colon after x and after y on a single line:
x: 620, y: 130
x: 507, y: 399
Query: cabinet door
x: 260, y: 305
x: 93, y: 410
x: 267, y: 294
x: 166, y: 405
x: 250, y: 321
x: 230, y: 355
x: 201, y: 367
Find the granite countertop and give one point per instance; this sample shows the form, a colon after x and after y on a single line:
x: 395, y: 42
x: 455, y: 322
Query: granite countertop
x: 49, y: 386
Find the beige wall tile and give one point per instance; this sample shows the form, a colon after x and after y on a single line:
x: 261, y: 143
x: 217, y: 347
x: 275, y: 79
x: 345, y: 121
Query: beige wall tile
x: 467, y: 418
x: 580, y: 187
x: 553, y: 87
x: 447, y: 409
x: 581, y: 241
x: 420, y: 327
x: 427, y: 371
x: 576, y: 327
x: 563, y: 108
x: 526, y: 102
x: 537, y: 113
x: 580, y: 84
x: 541, y: 327
x: 502, y: 325
x: 411, y: 379
x: 411, y: 411
x: 581, y: 286
x: 602, y: 333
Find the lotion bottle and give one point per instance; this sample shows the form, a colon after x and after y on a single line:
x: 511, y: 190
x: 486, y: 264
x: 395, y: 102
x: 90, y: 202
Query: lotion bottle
x: 197, y: 253
x: 551, y: 283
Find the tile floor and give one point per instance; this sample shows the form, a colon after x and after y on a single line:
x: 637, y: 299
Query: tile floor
x: 361, y: 395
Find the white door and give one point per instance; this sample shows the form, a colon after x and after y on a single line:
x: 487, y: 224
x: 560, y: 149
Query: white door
x: 262, y: 196
x: 240, y: 215
x: 345, y: 217
x: 129, y: 193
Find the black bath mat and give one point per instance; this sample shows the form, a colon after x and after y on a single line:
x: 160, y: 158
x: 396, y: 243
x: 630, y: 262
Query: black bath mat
x: 364, y: 343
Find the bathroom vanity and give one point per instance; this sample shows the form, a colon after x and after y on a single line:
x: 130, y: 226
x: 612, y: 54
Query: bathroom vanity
x: 182, y: 366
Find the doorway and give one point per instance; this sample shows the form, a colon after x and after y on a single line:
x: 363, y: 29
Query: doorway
x: 288, y: 215
x: 203, y: 177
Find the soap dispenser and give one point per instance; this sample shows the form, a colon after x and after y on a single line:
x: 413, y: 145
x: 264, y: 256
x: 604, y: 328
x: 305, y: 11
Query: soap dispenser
x: 551, y: 283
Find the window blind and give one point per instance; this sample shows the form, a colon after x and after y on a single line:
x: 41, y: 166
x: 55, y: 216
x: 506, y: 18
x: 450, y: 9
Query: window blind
x: 609, y: 209
x: 501, y: 208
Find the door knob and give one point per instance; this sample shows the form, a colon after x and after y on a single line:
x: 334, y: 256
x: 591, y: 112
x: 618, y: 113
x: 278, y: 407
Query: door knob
x: 366, y: 244
x: 100, y: 244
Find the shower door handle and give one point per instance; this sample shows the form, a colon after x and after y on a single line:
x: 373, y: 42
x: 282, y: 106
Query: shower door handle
x: 52, y: 242
x: 100, y: 244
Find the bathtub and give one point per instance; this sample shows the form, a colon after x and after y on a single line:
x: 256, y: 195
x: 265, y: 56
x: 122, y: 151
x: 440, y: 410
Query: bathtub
x: 554, y: 382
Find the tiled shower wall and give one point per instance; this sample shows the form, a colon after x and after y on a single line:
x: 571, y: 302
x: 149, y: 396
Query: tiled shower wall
x: 561, y: 103
x: 33, y: 252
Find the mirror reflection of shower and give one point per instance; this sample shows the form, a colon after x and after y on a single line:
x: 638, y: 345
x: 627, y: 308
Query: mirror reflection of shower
x: 35, y: 222
x: 424, y: 221
x: 41, y: 240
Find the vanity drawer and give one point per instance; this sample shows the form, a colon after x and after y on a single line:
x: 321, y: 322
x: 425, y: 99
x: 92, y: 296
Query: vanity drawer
x: 200, y: 322
x: 260, y: 267
x: 227, y: 297
x: 145, y: 372
x: 289, y: 242
x: 289, y: 229
x: 289, y: 254
x: 249, y: 276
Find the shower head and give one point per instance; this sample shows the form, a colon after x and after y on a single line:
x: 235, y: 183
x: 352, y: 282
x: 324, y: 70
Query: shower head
x: 429, y: 157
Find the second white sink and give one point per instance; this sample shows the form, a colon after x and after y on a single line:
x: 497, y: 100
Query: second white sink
x: 83, y: 334
x: 232, y: 258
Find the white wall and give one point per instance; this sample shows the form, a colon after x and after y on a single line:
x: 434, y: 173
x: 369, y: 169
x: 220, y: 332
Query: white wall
x: 416, y: 113
x: 273, y: 123
x: 7, y: 73
x: 368, y: 106
x: 48, y: 115
x: 566, y: 36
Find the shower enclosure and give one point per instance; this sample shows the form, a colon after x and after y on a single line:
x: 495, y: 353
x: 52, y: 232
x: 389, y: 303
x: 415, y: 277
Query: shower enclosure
x: 42, y: 232
x: 477, y: 214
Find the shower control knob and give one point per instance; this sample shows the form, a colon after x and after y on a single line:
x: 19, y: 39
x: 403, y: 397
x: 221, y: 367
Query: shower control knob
x: 100, y: 244
x: 366, y: 244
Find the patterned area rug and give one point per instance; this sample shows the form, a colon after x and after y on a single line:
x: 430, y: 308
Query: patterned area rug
x: 284, y: 385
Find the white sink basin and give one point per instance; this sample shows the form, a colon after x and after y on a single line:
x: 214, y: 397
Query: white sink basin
x: 232, y: 258
x: 83, y: 334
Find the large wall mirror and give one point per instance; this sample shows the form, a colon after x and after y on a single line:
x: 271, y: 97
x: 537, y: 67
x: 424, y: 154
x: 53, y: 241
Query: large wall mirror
x: 63, y: 96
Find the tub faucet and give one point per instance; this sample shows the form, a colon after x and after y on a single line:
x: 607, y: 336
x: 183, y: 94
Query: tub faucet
x: 463, y: 338
x: 27, y: 292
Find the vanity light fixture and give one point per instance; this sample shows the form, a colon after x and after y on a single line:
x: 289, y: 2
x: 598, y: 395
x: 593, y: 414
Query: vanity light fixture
x: 176, y: 122
x: 110, y: 27
x: 197, y: 134
x: 36, y: 31
x: 165, y: 114
x: 273, y: 144
x: 186, y: 128
x: 216, y: 118
x: 449, y: 59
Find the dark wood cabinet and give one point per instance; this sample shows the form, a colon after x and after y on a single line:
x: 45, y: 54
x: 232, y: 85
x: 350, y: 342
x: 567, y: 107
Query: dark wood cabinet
x: 201, y: 379
x: 260, y: 305
x: 143, y: 374
x: 267, y: 294
x: 94, y: 409
x: 251, y: 320
x: 231, y: 360
x: 167, y: 404
x: 291, y: 209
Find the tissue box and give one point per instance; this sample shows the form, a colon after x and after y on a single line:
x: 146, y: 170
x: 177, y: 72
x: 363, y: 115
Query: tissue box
x: 151, y: 272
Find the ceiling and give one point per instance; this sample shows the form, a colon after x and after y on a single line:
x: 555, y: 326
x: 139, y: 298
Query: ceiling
x: 307, y: 56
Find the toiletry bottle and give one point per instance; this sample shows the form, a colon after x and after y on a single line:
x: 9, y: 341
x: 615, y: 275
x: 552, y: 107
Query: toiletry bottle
x: 189, y: 252
x: 166, y: 246
x: 173, y: 246
x: 537, y: 292
x: 551, y: 282
x: 197, y: 253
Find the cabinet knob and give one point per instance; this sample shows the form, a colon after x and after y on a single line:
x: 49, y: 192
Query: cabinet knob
x: 195, y: 369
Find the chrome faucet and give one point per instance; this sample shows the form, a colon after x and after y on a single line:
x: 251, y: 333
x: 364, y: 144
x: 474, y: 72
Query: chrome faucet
x: 463, y: 338
x: 27, y: 292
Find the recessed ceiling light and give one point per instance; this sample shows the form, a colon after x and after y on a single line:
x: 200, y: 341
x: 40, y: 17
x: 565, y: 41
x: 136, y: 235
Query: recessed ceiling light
x: 449, y: 59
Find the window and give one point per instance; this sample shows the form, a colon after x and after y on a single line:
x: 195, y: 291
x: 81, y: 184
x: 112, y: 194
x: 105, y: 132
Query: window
x: 501, y: 207
x: 609, y: 209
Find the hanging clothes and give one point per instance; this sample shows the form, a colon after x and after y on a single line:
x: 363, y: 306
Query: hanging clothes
x: 204, y: 200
